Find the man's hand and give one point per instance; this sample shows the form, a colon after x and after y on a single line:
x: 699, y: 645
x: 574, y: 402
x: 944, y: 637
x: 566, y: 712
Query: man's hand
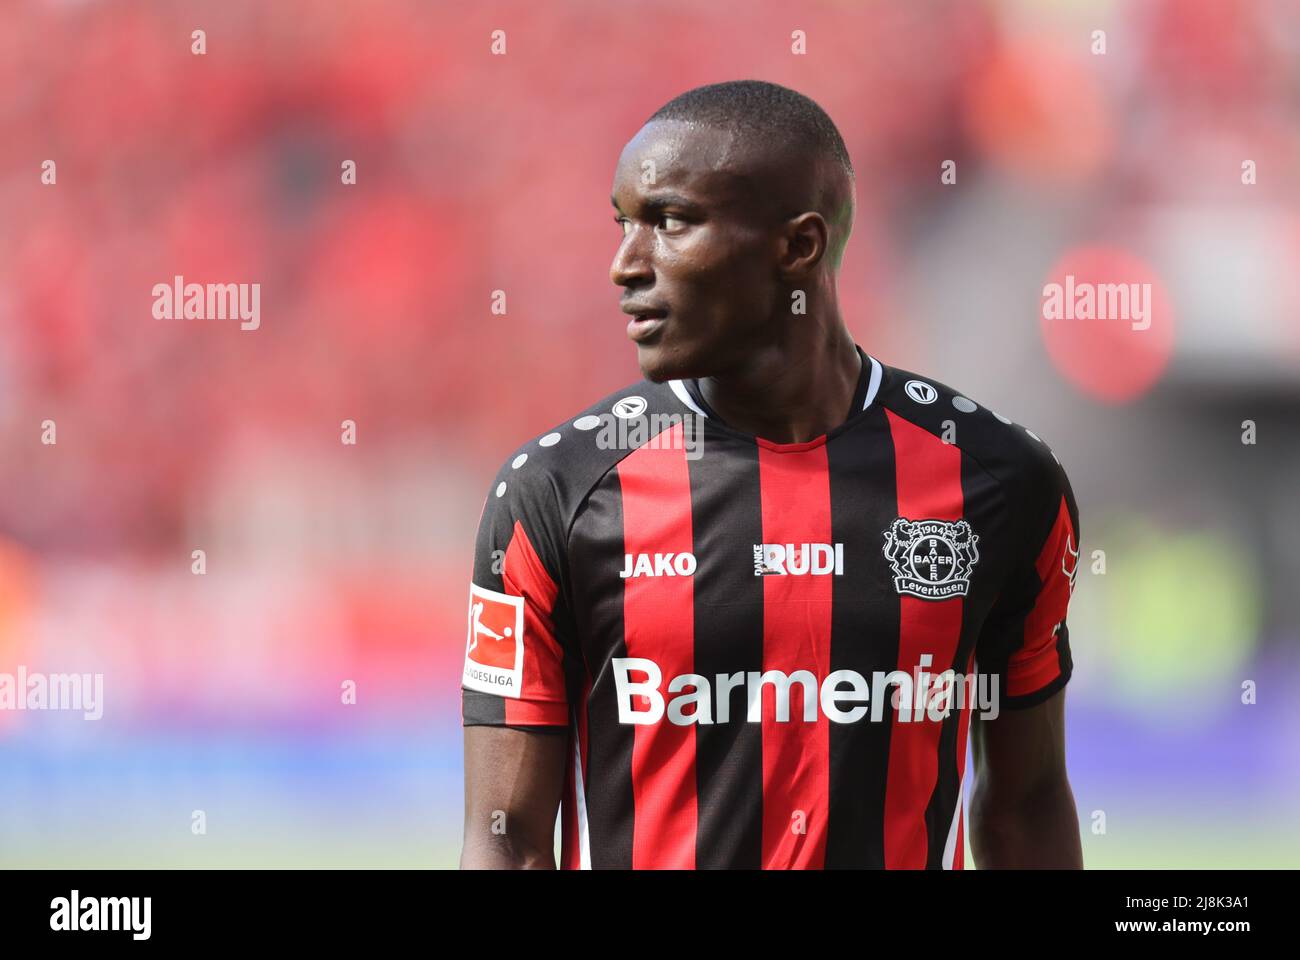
x: 1022, y: 810
x: 513, y: 781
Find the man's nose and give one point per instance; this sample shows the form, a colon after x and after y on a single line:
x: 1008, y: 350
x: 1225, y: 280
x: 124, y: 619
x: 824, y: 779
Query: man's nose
x: 631, y: 266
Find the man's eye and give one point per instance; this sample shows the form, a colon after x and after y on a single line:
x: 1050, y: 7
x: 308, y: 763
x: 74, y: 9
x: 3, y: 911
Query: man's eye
x: 670, y: 223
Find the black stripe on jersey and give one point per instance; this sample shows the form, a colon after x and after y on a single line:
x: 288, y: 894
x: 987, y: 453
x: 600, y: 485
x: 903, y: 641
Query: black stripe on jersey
x: 982, y: 502
x: 596, y: 546
x: 727, y: 520
x: 859, y: 752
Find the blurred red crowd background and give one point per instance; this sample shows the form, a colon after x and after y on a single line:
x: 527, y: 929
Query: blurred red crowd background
x: 478, y: 172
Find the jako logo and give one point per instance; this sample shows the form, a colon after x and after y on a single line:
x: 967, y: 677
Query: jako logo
x: 657, y: 565
x: 102, y: 913
x: 798, y: 558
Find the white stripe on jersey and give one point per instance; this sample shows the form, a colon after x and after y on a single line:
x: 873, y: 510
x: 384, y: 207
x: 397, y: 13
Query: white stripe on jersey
x: 584, y: 841
x: 950, y: 848
x: 874, y: 385
x: 684, y: 396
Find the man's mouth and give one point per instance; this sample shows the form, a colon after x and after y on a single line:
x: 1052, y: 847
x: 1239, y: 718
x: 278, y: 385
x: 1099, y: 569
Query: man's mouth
x: 645, y: 325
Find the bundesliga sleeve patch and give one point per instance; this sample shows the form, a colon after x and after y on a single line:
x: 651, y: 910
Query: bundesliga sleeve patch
x: 494, y: 649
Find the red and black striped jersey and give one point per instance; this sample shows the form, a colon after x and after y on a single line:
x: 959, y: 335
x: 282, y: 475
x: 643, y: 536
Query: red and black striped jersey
x: 746, y: 642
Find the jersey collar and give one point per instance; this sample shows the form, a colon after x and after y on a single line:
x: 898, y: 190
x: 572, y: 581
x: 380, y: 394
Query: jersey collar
x: 688, y: 391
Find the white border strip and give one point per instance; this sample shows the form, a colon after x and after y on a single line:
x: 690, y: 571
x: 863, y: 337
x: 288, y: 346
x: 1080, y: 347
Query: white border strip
x: 874, y: 385
x: 584, y: 841
x: 684, y: 396
x: 950, y: 847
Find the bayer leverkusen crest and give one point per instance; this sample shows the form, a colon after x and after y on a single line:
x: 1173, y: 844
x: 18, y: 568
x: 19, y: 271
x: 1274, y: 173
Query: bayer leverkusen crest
x: 931, y: 559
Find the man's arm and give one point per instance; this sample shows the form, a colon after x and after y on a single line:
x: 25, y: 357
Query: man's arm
x: 1022, y: 810
x: 513, y: 781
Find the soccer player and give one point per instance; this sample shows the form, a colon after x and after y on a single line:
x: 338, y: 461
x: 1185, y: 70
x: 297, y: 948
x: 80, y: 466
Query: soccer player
x: 725, y: 599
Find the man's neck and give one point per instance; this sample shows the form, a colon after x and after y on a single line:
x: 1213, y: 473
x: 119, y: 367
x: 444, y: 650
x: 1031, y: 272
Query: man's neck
x: 789, y: 393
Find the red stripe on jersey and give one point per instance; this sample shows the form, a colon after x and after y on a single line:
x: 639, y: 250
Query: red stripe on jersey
x: 523, y: 575
x: 658, y: 624
x: 929, y: 488
x: 795, y: 491
x: 1037, y: 663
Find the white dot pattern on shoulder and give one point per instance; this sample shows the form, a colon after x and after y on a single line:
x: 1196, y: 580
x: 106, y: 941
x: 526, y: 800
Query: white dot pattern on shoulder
x: 589, y: 422
x: 519, y: 461
x: 550, y: 440
x: 964, y: 405
x: 501, y: 489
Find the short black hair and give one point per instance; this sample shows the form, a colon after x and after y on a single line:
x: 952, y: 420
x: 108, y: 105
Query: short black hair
x: 765, y: 111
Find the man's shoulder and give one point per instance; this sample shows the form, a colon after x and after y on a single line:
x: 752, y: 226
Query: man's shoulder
x: 563, y: 462
x: 1011, y: 453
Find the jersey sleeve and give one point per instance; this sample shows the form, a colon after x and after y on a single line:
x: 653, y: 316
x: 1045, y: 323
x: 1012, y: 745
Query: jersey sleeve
x: 1025, y: 640
x: 514, y: 671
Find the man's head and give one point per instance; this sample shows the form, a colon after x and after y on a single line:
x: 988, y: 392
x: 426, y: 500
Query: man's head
x: 731, y: 197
